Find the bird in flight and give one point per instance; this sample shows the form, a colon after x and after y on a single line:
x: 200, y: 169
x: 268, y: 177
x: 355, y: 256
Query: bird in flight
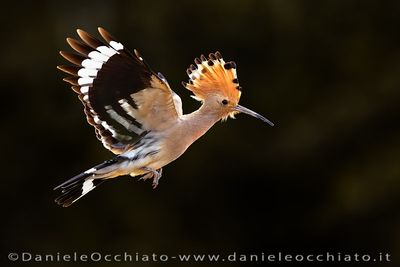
x: 135, y: 113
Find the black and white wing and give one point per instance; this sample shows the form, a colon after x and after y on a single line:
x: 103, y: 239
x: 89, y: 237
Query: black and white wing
x: 122, y: 97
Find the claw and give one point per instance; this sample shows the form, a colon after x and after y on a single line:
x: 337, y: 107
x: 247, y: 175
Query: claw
x: 155, y: 174
x: 146, y: 176
x: 156, y: 178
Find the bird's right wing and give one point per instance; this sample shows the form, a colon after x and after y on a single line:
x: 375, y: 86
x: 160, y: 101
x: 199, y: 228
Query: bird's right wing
x: 123, y: 98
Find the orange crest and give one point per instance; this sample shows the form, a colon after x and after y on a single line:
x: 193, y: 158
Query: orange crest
x: 213, y: 75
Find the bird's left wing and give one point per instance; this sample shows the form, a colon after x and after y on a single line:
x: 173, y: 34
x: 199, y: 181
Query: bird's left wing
x: 123, y: 98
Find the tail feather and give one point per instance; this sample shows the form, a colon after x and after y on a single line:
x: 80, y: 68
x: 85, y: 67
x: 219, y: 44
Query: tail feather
x: 74, y: 192
x: 81, y: 184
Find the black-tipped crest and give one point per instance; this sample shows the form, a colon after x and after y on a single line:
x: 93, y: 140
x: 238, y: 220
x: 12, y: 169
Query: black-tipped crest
x: 212, y: 75
x: 212, y: 56
x: 230, y: 65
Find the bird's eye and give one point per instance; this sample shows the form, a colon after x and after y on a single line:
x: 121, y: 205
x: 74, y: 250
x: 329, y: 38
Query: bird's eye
x: 224, y: 102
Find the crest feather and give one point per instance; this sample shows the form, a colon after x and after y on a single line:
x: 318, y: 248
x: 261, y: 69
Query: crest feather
x: 213, y: 75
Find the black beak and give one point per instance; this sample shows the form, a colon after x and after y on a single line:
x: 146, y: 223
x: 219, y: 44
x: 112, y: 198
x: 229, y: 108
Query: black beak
x: 247, y: 111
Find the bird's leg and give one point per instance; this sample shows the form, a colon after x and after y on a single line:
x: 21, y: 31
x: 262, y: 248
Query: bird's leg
x: 155, y: 174
x: 156, y: 178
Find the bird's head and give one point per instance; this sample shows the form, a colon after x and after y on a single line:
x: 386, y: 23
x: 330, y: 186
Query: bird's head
x: 214, y: 82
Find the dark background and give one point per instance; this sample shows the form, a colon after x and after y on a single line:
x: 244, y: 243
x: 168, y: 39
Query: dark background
x: 326, y: 178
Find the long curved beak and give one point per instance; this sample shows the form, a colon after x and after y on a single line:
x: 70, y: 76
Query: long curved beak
x: 247, y: 111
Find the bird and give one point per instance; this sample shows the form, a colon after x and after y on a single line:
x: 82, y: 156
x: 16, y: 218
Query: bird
x: 135, y: 113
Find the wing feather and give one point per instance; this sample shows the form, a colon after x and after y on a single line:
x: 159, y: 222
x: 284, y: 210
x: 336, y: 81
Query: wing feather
x: 122, y: 97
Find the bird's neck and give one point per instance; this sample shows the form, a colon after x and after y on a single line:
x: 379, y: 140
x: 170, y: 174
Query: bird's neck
x: 200, y: 121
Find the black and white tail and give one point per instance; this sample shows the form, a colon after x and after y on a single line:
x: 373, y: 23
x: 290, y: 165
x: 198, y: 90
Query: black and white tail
x: 81, y: 184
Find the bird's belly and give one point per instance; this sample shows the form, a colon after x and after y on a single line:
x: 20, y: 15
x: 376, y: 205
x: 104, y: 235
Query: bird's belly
x: 140, y: 158
x: 154, y: 155
x: 171, y: 152
x: 153, y: 162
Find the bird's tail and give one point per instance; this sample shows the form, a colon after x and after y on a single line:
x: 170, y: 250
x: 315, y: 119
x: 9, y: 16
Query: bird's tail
x: 81, y: 184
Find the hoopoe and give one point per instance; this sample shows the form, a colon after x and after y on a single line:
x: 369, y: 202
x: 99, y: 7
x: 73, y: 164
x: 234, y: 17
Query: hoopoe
x: 135, y: 113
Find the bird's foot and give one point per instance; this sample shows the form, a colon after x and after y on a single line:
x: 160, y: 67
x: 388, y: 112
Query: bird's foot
x: 146, y: 176
x: 155, y: 174
x: 156, y: 178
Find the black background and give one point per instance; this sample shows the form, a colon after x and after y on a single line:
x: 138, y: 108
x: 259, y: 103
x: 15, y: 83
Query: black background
x: 326, y: 178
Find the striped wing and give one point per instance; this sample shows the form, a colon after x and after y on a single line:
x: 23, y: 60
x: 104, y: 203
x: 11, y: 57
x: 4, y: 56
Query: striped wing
x: 122, y: 97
